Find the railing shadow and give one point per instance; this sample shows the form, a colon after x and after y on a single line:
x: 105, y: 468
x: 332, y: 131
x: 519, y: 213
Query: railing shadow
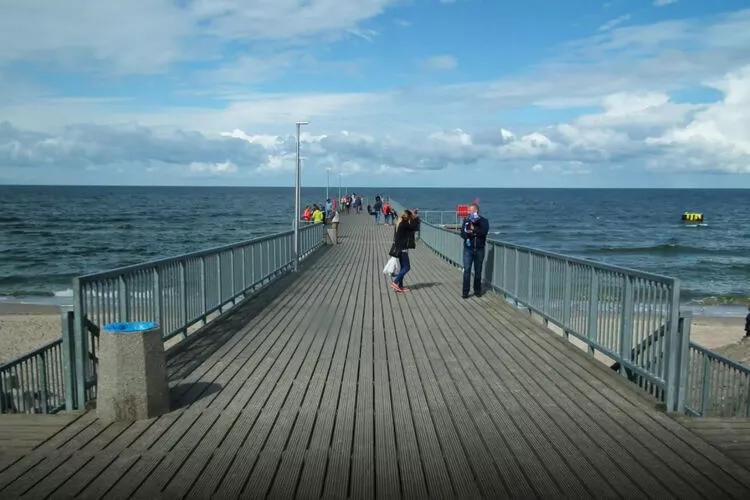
x: 183, y: 395
x: 185, y: 357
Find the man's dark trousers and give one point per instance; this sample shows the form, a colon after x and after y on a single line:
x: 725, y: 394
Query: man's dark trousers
x: 473, y: 256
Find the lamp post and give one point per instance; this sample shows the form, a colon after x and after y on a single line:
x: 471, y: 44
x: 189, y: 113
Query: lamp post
x: 328, y: 182
x: 340, y: 186
x: 297, y: 190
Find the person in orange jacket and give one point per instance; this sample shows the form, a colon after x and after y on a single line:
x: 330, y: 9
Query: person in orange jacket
x: 308, y: 214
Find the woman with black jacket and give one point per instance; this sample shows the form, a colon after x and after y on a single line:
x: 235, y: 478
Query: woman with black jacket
x: 403, y: 240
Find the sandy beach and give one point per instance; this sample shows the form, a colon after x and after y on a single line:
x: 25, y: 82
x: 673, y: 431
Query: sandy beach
x: 25, y: 327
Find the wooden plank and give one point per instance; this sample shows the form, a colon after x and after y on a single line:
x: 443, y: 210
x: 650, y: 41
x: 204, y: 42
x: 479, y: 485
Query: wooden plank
x: 310, y: 442
x: 289, y: 445
x: 362, y: 480
x: 386, y: 455
x: 337, y: 474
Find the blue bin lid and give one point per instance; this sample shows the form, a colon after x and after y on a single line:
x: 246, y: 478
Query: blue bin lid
x: 131, y: 327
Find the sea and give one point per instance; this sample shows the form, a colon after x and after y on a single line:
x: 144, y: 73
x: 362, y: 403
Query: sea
x: 50, y: 234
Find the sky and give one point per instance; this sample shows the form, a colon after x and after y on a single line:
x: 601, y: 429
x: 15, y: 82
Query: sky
x: 407, y: 93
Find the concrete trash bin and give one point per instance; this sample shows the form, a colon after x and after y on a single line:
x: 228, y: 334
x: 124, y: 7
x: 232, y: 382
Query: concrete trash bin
x: 132, y: 381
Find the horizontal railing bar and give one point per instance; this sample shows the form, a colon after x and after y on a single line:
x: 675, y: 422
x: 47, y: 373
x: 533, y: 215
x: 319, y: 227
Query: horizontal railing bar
x: 715, y: 356
x: 200, y: 253
x: 31, y: 354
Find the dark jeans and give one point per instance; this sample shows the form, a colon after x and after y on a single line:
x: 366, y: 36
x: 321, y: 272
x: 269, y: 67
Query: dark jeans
x: 476, y: 257
x: 403, y: 262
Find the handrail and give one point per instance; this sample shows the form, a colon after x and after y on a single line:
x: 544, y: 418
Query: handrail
x: 34, y: 382
x: 180, y: 293
x: 611, y: 309
x: 716, y: 385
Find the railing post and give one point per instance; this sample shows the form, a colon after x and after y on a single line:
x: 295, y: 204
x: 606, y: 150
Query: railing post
x: 158, y: 305
x: 69, y: 357
x: 685, y: 322
x: 706, y: 386
x: 183, y: 295
x: 42, y: 374
x: 530, y: 287
x: 204, y: 299
x: 674, y: 347
x: 626, y: 325
x: 593, y: 323
x: 515, y: 276
x: 568, y: 291
x: 218, y: 279
x: 545, y: 299
x: 80, y: 346
x: 244, y: 277
x: 122, y: 296
x: 233, y: 281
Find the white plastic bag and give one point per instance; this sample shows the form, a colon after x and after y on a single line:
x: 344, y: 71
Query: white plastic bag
x: 390, y: 266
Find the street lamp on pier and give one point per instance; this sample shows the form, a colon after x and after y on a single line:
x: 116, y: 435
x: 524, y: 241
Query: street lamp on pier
x: 297, y: 198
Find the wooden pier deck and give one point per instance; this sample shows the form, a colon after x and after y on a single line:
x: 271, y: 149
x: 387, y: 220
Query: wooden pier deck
x: 334, y: 385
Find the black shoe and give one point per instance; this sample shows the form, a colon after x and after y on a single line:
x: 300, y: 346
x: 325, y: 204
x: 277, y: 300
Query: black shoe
x: 464, y: 296
x: 478, y: 294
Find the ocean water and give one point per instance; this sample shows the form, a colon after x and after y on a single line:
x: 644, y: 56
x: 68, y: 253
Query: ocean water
x: 48, y: 235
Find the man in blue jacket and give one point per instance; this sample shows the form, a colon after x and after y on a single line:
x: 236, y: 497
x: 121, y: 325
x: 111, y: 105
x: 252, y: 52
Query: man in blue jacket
x: 474, y: 233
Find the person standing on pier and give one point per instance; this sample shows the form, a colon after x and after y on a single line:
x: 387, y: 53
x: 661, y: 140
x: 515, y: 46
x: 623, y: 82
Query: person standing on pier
x: 403, y: 240
x: 474, y: 233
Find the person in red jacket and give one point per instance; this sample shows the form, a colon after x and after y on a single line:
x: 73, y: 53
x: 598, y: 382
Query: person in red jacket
x: 387, y: 213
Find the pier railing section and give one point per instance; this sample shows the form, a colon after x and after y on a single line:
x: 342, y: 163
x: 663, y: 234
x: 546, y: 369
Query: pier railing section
x: 629, y: 316
x: 181, y: 293
x: 34, y: 382
x: 716, y: 386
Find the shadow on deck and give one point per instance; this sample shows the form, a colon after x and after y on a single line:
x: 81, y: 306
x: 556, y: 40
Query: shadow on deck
x: 330, y: 384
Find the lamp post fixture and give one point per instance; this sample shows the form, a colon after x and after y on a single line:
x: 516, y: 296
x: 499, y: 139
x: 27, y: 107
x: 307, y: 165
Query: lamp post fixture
x: 328, y: 182
x: 340, y: 174
x: 297, y: 199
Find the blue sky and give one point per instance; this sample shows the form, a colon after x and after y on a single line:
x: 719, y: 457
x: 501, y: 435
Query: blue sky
x: 581, y: 93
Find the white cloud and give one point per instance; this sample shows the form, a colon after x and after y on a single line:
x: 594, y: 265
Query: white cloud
x: 444, y: 62
x: 168, y: 32
x: 612, y: 23
x: 226, y: 167
x: 662, y: 3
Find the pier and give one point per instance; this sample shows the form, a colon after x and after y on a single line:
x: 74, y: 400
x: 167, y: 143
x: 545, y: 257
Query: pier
x: 326, y: 383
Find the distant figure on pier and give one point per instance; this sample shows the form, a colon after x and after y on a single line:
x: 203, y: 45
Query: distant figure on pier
x: 317, y: 215
x: 329, y: 208
x: 376, y: 208
x: 403, y: 240
x: 307, y: 215
x: 474, y: 233
x: 387, y: 213
x: 747, y: 323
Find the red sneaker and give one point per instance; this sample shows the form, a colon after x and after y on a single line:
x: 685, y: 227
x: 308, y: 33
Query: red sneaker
x: 396, y: 287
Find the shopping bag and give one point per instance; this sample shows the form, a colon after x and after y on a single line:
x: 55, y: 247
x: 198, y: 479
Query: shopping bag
x: 390, y: 266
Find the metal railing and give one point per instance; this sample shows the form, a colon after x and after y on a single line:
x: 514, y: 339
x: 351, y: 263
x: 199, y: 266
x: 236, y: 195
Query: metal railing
x: 180, y: 293
x: 34, y: 382
x: 440, y: 217
x: 630, y: 316
x: 716, y: 386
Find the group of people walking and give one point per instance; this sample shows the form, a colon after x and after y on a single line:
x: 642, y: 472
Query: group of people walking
x: 474, y: 230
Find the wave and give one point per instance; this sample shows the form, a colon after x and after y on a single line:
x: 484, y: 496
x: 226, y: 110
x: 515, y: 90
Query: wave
x: 37, y: 293
x: 702, y: 299
x: 661, y: 249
